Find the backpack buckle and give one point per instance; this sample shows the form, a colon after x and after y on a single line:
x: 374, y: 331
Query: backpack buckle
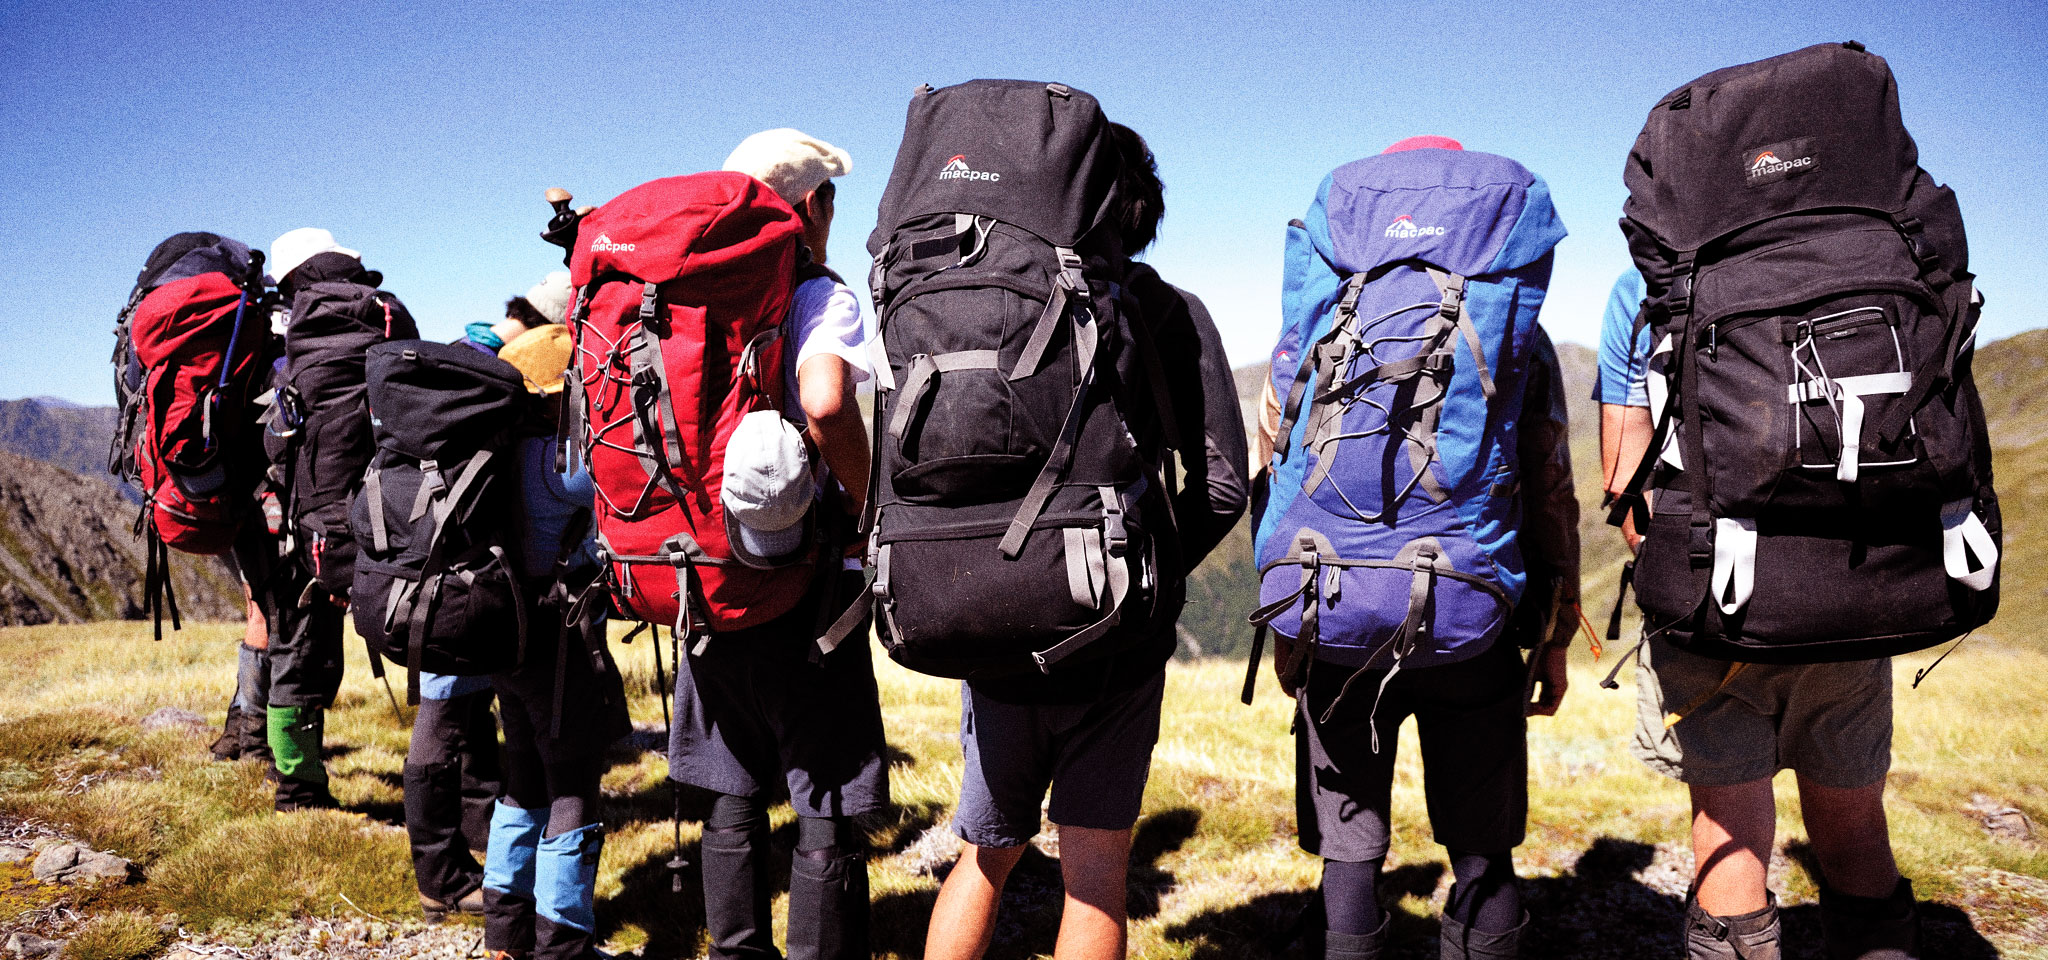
x: 1115, y: 536
x: 1070, y: 270
x: 1454, y: 301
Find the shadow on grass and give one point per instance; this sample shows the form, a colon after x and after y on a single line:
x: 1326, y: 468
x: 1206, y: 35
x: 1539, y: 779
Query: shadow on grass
x: 1599, y: 911
x: 1027, y: 922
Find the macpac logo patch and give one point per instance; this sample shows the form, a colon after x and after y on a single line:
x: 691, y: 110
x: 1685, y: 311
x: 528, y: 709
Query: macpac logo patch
x: 1779, y: 160
x: 603, y: 243
x: 957, y: 169
x: 1404, y: 227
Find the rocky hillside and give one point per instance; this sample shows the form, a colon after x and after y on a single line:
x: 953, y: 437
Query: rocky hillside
x: 68, y: 435
x: 67, y: 553
x: 2012, y: 375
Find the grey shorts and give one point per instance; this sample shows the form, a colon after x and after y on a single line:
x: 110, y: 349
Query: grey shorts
x: 754, y: 716
x: 1095, y: 757
x: 1475, y: 756
x: 1829, y: 722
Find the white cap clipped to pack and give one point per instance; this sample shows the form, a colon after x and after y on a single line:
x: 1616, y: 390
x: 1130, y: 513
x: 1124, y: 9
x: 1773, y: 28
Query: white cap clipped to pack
x: 768, y: 491
x: 298, y: 246
x: 790, y: 162
x: 551, y: 296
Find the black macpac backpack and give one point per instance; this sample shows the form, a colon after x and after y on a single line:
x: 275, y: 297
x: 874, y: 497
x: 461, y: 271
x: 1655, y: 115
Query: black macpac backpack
x: 436, y: 524
x: 1820, y: 478
x: 1018, y: 505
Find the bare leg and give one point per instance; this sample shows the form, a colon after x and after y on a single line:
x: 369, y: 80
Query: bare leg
x: 1851, y: 838
x: 1093, y: 864
x: 1732, y: 831
x: 964, y: 917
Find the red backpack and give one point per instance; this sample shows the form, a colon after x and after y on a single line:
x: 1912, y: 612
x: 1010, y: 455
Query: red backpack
x: 682, y: 286
x: 190, y: 347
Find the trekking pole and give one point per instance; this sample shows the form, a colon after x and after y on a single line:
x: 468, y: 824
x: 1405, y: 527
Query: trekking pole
x: 561, y: 230
x: 396, y: 714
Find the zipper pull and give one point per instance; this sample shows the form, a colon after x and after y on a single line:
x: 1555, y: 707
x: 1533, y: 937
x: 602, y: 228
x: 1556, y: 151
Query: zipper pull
x: 1713, y: 341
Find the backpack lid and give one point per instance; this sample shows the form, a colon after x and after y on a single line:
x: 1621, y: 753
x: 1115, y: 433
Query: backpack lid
x: 185, y: 255
x: 1463, y: 211
x: 1034, y: 155
x: 440, y: 401
x: 703, y: 224
x: 1814, y: 128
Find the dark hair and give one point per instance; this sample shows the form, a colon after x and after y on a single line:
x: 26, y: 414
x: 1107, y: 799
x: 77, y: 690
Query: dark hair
x: 523, y: 310
x: 1140, y: 196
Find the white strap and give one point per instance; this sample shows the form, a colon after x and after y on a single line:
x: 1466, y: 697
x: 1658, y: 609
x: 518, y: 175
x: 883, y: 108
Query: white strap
x: 878, y: 357
x: 1658, y: 387
x: 1963, y: 535
x: 1850, y: 391
x: 1734, y: 563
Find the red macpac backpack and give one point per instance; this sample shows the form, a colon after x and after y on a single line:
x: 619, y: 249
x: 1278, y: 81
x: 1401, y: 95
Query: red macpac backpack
x: 682, y: 286
x: 188, y: 352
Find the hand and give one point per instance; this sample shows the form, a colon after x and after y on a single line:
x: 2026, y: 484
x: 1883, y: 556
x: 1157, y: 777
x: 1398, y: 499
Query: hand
x: 1629, y: 535
x: 1286, y: 654
x: 1549, y: 664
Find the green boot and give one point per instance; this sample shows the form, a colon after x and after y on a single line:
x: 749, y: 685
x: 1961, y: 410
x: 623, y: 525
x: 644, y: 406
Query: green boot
x: 295, y: 735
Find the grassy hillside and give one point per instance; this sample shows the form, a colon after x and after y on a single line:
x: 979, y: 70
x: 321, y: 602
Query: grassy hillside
x: 1216, y: 872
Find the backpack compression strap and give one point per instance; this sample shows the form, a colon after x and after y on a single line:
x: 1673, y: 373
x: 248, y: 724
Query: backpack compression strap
x: 1086, y: 343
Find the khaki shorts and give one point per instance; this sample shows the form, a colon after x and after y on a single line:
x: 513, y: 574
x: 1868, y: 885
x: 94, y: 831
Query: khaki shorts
x: 1831, y: 723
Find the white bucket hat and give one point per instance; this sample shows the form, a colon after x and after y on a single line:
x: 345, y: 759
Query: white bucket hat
x: 790, y: 162
x: 298, y: 246
x: 768, y: 490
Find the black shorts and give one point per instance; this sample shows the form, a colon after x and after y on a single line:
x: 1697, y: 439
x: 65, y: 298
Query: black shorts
x: 755, y: 716
x: 1475, y: 756
x: 547, y: 759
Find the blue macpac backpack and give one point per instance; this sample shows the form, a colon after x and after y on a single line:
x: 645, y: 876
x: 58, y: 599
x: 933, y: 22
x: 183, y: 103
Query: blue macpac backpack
x: 1412, y: 286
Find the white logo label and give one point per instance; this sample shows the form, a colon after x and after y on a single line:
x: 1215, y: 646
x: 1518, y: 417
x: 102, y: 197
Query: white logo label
x: 957, y: 169
x: 1767, y: 164
x: 603, y: 243
x: 1404, y: 227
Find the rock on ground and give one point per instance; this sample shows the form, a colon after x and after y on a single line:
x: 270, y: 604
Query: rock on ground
x: 70, y: 862
x: 175, y: 718
x: 28, y: 945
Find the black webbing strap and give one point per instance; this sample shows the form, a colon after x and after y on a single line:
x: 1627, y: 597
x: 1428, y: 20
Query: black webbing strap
x: 1346, y: 316
x: 1692, y: 449
x: 1628, y: 577
x: 1062, y: 452
x: 1630, y: 501
x: 1453, y: 311
x: 654, y: 424
x: 1425, y: 558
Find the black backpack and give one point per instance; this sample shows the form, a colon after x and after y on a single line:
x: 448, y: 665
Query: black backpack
x: 436, y: 524
x: 1017, y: 505
x: 1820, y: 475
x: 322, y: 418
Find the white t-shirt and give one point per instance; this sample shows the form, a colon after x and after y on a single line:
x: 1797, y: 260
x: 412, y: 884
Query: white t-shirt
x: 824, y: 319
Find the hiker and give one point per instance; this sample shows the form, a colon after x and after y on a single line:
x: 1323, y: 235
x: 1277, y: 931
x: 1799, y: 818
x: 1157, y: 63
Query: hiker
x: 1420, y: 526
x: 453, y: 767
x: 755, y: 716
x: 192, y: 359
x: 1084, y: 728
x: 1621, y: 389
x: 564, y: 703
x: 320, y: 444
x: 1812, y: 493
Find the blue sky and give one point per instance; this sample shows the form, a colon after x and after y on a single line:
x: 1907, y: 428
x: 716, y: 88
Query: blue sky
x: 424, y: 135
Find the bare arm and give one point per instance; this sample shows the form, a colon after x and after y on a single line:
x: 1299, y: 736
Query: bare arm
x: 1269, y: 428
x: 1624, y: 440
x: 825, y: 391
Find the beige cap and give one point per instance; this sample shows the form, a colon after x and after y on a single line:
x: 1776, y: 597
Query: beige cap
x: 551, y: 296
x: 790, y: 162
x: 541, y: 355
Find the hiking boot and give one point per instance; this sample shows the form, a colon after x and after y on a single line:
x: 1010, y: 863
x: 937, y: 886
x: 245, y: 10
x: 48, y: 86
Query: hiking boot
x: 295, y: 794
x: 1750, y: 936
x: 1871, y: 928
x: 229, y: 745
x: 1357, y: 946
x: 1460, y: 942
x: 471, y: 903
